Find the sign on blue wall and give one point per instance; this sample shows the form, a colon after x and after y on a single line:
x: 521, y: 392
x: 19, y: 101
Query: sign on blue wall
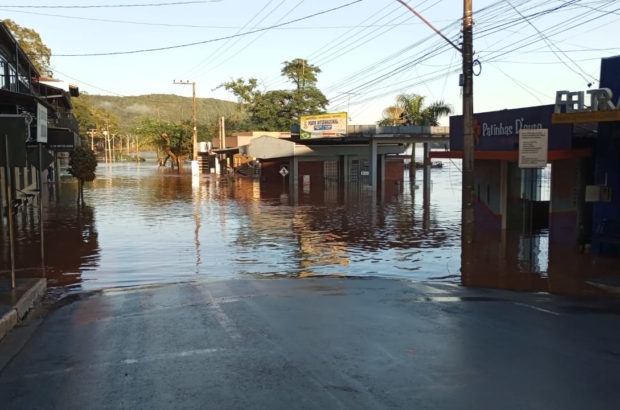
x: 499, y: 130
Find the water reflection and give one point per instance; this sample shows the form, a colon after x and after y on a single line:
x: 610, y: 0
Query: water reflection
x: 146, y: 225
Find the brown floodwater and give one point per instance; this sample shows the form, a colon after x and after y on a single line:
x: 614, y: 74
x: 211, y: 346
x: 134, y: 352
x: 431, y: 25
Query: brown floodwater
x: 144, y: 225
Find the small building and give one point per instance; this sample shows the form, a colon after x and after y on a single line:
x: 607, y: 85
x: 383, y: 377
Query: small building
x: 322, y: 162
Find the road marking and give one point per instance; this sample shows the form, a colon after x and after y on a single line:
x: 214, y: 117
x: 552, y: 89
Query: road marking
x: 427, y: 288
x: 146, y: 359
x: 221, y: 316
x: 537, y: 308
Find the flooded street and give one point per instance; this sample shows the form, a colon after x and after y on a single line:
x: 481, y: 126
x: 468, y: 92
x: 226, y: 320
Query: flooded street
x: 144, y: 225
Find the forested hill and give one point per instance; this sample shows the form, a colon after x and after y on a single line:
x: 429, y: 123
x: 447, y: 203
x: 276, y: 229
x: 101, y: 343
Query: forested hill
x: 171, y: 107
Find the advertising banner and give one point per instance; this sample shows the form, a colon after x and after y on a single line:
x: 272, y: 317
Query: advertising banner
x: 324, y: 126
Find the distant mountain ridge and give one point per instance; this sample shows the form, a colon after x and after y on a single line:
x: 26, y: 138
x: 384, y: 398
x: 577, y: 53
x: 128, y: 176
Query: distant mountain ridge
x: 171, y: 107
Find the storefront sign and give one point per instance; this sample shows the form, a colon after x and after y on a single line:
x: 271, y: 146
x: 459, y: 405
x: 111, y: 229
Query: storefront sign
x: 570, y: 107
x: 533, y: 148
x: 324, y: 126
x: 499, y: 130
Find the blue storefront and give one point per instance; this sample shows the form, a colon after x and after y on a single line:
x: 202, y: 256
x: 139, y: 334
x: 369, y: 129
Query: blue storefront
x: 606, y: 214
x: 533, y: 225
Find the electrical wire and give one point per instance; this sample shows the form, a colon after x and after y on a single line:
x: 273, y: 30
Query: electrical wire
x: 551, y: 47
x: 101, y: 6
x: 258, y: 37
x: 147, y: 50
x: 145, y: 23
x: 241, y: 29
x: 496, y: 29
x: 87, y: 84
x: 341, y: 39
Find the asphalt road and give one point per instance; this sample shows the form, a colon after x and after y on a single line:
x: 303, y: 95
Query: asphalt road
x: 315, y: 344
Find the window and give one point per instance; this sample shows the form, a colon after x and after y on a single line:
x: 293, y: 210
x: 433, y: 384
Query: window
x: 12, y: 79
x: 330, y: 170
x: 3, y: 79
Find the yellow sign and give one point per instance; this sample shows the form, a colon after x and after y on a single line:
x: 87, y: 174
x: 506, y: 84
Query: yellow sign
x: 586, y: 116
x: 324, y: 126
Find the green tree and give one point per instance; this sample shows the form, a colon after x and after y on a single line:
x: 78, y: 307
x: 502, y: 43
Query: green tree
x: 92, y: 117
x: 411, y: 110
x: 172, y: 140
x: 82, y: 165
x: 278, y: 110
x: 30, y: 41
x: 300, y: 73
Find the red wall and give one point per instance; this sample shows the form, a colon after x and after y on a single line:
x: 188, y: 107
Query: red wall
x: 313, y: 168
x: 394, y: 170
x: 270, y: 171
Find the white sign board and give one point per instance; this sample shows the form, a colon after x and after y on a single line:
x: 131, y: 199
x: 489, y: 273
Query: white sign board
x: 324, y: 126
x: 284, y: 171
x: 533, y: 147
x: 41, y: 123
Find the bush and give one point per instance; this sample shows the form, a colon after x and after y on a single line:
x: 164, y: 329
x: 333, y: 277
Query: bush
x: 82, y: 165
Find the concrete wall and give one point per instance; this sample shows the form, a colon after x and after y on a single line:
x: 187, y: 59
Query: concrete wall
x: 487, y: 188
x: 565, y: 201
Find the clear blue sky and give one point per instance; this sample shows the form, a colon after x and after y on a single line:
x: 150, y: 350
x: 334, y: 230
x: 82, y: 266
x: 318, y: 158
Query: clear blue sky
x: 360, y: 44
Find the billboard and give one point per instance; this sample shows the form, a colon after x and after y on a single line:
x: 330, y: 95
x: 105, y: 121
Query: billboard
x: 324, y: 126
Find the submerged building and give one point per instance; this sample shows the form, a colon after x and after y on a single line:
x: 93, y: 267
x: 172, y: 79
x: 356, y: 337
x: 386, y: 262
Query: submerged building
x: 540, y: 222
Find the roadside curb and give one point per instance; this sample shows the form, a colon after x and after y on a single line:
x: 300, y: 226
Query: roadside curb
x: 23, y: 305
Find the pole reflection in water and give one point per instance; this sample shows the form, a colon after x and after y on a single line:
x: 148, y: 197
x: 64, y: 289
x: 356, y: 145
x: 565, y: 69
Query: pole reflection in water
x: 145, y: 225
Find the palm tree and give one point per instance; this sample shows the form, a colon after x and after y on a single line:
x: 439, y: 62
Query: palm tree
x: 415, y: 112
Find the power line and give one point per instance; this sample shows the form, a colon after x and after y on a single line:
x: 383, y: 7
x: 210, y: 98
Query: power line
x: 551, y: 47
x: 520, y: 84
x: 178, y: 3
x: 401, y: 53
x: 276, y: 80
x: 246, y: 24
x: 147, y: 50
x: 335, y: 54
x: 146, y: 23
x: 257, y: 38
x: 84, y: 83
x: 498, y: 27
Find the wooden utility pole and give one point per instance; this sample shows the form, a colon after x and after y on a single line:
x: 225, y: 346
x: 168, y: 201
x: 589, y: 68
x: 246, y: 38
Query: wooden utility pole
x: 467, y: 206
x: 467, y: 211
x: 194, y: 108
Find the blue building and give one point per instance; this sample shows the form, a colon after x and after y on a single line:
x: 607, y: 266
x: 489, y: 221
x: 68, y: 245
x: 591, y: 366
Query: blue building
x: 533, y: 225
